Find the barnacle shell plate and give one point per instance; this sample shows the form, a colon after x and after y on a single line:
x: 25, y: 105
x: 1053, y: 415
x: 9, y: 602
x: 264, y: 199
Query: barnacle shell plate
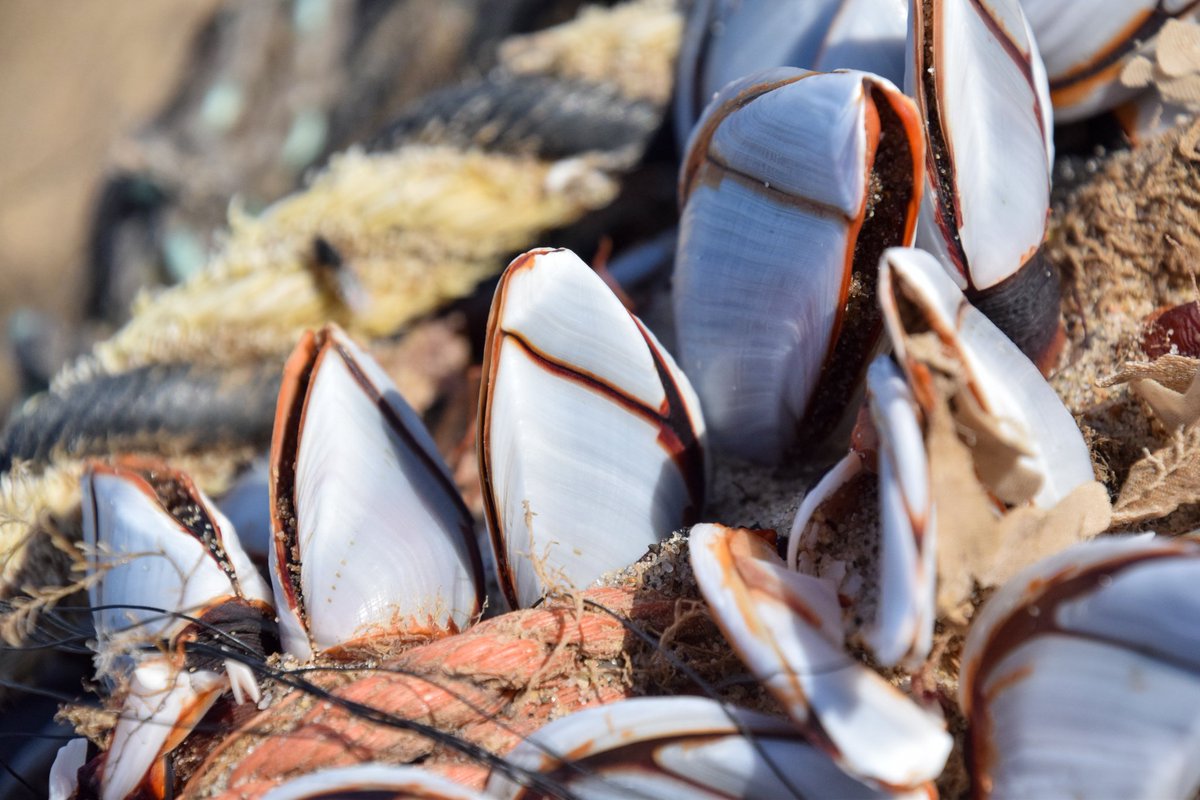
x: 676, y: 748
x: 787, y: 628
x: 1081, y: 676
x: 371, y: 536
x: 590, y: 439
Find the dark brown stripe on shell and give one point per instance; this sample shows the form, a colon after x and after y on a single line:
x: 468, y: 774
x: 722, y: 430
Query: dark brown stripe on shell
x: 722, y: 171
x: 677, y: 434
x: 682, y: 446
x: 701, y: 139
x: 285, y: 448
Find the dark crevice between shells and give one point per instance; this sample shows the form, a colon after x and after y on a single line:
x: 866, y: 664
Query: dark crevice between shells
x: 242, y: 626
x: 1027, y: 307
x: 890, y: 192
x: 179, y: 498
x: 939, y: 159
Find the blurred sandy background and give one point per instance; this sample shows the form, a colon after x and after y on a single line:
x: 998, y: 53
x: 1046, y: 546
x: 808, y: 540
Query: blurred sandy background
x: 74, y: 77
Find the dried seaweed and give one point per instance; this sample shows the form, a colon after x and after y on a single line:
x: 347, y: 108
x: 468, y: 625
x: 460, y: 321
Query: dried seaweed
x: 1162, y: 481
x: 978, y: 549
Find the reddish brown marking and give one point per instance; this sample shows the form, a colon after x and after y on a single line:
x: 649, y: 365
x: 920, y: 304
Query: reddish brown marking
x: 1173, y: 330
x: 600, y: 267
x: 285, y: 448
x: 1064, y: 95
x: 1008, y: 681
x: 1049, y: 358
x: 154, y: 784
x: 739, y: 551
x: 864, y: 439
x: 493, y: 339
x: 871, y: 130
x: 914, y: 132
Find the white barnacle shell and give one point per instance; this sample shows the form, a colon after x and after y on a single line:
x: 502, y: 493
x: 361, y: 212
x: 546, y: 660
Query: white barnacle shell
x: 371, y: 537
x: 1086, y: 45
x: 163, y: 555
x: 371, y: 782
x: 164, y: 701
x: 787, y: 628
x: 590, y: 440
x: 1008, y: 387
x: 676, y: 748
x: 903, y: 628
x: 1081, y: 676
x: 168, y: 567
x: 978, y: 79
x: 793, y: 185
x: 729, y: 39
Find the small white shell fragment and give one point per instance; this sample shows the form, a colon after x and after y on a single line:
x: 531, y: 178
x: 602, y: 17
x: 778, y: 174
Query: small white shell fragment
x: 371, y: 535
x: 591, y: 443
x: 786, y: 627
x: 64, y: 777
x: 676, y: 748
x: 1081, y: 676
x: 1004, y: 380
x: 372, y: 781
x: 163, y: 705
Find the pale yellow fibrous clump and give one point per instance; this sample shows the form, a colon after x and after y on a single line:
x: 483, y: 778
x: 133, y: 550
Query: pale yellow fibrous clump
x: 631, y: 47
x: 412, y: 230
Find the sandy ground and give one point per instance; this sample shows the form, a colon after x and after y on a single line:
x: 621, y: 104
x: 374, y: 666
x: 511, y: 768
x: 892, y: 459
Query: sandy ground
x: 74, y: 79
